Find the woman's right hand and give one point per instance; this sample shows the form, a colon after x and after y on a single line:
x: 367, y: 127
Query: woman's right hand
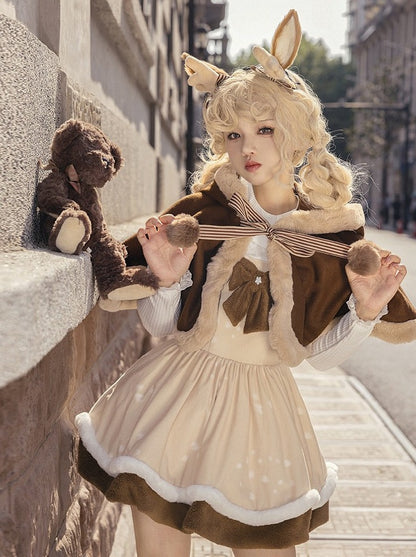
x: 168, y: 262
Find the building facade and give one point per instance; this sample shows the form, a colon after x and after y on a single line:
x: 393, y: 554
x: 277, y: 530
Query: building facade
x: 382, y: 41
x: 114, y: 63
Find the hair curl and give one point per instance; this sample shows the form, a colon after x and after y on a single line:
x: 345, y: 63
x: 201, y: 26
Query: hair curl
x: 301, y: 135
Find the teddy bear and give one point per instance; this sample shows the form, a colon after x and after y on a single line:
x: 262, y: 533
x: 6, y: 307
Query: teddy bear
x: 82, y: 160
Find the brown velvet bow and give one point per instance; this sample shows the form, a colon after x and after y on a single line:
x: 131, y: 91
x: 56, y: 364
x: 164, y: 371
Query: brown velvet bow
x: 250, y: 297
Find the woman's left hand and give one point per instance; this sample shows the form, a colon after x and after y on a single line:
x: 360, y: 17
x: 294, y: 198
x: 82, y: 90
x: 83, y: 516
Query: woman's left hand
x: 373, y: 292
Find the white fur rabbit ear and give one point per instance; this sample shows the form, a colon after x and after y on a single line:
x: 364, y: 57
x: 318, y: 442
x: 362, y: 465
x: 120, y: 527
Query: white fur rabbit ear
x: 286, y: 39
x: 285, y: 45
x: 203, y: 76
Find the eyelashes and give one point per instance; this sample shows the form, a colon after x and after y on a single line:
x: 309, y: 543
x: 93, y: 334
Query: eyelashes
x: 264, y: 130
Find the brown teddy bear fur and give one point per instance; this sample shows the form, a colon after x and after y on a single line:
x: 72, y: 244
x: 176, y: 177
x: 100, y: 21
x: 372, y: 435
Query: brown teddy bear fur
x: 83, y: 159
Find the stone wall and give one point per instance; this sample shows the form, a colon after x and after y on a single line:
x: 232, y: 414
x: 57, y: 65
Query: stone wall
x: 117, y: 65
x: 46, y: 508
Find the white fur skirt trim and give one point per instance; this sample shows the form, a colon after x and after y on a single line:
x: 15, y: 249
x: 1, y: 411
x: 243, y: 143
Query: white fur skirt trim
x: 313, y: 499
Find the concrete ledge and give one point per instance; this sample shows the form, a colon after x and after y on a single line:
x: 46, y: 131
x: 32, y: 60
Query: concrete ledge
x: 43, y: 295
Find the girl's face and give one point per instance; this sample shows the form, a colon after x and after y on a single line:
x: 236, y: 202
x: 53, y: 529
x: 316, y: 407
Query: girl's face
x: 252, y: 151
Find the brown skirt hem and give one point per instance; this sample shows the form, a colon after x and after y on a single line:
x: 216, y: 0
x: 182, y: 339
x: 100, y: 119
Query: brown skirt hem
x: 199, y: 517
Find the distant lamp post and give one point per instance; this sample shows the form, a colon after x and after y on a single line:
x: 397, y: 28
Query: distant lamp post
x: 198, y: 45
x: 201, y: 40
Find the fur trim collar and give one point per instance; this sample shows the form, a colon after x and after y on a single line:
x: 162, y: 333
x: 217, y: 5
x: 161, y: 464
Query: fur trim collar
x: 218, y: 273
x: 312, y: 221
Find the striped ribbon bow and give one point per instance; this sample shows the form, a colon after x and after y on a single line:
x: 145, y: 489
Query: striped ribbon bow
x: 252, y: 224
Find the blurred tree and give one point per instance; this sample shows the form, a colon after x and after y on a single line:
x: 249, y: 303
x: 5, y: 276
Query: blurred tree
x: 377, y: 129
x: 379, y: 133
x: 330, y: 78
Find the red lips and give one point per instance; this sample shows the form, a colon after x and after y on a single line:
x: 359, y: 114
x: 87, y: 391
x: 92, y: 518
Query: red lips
x: 252, y: 166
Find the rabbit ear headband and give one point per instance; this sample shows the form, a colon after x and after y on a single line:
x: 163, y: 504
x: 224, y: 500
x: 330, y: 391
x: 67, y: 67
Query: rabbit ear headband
x: 286, y: 40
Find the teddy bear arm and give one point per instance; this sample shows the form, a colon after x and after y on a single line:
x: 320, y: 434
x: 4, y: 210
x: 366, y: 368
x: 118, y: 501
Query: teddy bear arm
x: 90, y: 203
x: 114, y: 280
x: 52, y: 195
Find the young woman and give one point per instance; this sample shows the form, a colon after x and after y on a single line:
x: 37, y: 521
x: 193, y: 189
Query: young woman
x: 207, y: 432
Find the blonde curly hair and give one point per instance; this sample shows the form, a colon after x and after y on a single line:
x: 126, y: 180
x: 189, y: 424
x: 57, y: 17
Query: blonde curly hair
x: 301, y: 135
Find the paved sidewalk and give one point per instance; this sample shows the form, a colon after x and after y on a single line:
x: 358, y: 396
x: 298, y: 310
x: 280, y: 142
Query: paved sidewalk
x: 373, y: 510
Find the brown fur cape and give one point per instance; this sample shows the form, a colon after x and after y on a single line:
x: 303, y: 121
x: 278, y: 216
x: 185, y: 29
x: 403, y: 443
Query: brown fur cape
x: 308, y: 293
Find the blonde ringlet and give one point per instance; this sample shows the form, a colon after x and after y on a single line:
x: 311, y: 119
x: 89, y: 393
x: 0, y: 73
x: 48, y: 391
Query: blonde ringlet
x: 301, y: 135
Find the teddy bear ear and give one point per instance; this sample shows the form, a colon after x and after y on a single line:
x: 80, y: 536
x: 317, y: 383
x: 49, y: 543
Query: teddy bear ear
x: 118, y: 159
x: 65, y: 134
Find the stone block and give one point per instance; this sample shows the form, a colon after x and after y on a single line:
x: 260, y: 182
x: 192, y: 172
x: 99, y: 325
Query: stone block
x: 8, y: 528
x: 49, y: 20
x: 133, y: 191
x: 30, y: 407
x: 171, y: 183
x: 125, y: 29
x: 89, y: 526
x: 43, y: 295
x: 28, y: 80
x: 75, y: 55
x: 37, y: 496
x: 47, y: 508
x: 78, y: 105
